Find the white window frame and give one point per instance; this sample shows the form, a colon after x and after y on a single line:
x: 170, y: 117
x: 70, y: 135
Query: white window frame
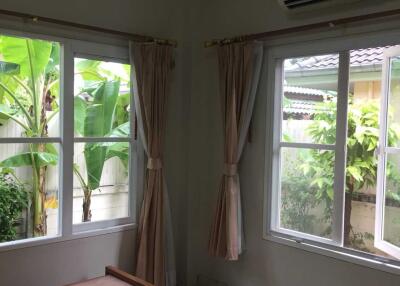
x: 276, y: 53
x: 383, y: 150
x: 95, y: 51
x: 339, y: 148
x: 69, y: 48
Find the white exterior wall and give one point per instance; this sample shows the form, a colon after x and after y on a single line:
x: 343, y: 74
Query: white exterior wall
x: 109, y: 201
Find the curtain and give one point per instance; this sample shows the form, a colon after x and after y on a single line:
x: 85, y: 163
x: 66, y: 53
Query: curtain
x: 150, y: 78
x: 239, y: 73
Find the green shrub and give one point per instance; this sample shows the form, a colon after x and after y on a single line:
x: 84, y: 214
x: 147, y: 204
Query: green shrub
x: 13, y: 200
x: 312, y: 184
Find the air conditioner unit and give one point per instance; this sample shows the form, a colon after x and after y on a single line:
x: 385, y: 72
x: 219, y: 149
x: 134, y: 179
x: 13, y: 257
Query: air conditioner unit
x: 292, y: 5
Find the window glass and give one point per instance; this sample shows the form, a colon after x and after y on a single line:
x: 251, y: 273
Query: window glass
x: 102, y: 98
x: 101, y: 168
x: 388, y: 194
x: 394, y: 103
x: 365, y: 87
x: 29, y: 107
x: 307, y: 204
x: 29, y: 87
x: 364, y: 112
x: 29, y: 190
x: 33, y: 148
x: 309, y: 99
x: 307, y: 190
x: 101, y: 178
x: 391, y: 227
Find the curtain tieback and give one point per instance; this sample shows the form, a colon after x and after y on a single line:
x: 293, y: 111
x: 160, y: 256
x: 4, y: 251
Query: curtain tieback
x: 230, y: 170
x: 154, y: 163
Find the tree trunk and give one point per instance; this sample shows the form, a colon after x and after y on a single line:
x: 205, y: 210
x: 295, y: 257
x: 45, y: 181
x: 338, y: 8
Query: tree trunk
x: 38, y: 227
x: 347, y: 214
x: 39, y: 212
x: 87, y: 213
x: 40, y: 216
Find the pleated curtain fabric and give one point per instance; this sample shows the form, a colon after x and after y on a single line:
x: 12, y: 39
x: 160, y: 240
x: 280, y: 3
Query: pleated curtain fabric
x: 151, y: 72
x: 239, y: 72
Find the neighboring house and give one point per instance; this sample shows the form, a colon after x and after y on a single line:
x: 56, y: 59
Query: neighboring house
x: 321, y: 73
x: 302, y: 103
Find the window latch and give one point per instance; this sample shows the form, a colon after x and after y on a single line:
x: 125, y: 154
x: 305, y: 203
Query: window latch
x: 297, y: 240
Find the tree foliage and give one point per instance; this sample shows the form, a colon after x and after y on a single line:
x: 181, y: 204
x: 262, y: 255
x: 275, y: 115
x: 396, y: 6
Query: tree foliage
x: 316, y: 175
x: 362, y: 142
x: 13, y: 200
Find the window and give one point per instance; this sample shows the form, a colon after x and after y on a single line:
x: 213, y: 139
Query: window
x: 301, y: 145
x: 102, y: 140
x: 30, y: 137
x: 387, y: 225
x: 336, y: 157
x: 67, y: 157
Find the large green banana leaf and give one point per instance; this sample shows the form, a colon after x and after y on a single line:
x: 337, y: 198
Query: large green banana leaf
x: 98, y: 123
x: 25, y: 159
x: 54, y: 60
x: 120, y: 131
x: 89, y: 71
x: 120, y: 150
x: 27, y: 63
x: 80, y: 106
x: 32, y: 55
x: 100, y: 113
x: 117, y: 149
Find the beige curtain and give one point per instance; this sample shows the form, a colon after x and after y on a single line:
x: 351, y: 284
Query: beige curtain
x: 150, y: 83
x: 239, y: 71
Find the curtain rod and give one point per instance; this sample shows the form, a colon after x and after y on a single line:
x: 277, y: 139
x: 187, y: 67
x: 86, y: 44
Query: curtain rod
x: 130, y: 36
x: 329, y: 24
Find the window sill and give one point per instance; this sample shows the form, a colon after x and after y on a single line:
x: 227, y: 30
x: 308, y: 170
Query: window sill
x: 338, y: 253
x: 39, y: 241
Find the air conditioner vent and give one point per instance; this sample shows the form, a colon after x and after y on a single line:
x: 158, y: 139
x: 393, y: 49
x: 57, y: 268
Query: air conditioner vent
x: 304, y: 5
x: 292, y: 4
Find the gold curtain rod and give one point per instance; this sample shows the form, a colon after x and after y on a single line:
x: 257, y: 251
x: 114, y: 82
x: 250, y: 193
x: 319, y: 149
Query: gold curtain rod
x: 319, y: 25
x: 130, y: 36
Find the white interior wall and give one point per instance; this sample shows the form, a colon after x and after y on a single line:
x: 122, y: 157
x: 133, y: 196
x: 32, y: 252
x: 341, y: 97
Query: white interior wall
x: 66, y: 262
x: 193, y: 154
x: 264, y: 262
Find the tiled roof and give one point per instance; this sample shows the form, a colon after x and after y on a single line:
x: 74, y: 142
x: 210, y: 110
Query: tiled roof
x: 303, y: 107
x: 301, y: 101
x: 312, y: 92
x: 362, y: 57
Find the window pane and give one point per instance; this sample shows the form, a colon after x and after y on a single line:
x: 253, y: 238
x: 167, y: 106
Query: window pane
x: 101, y: 178
x: 29, y: 87
x: 394, y: 102
x: 102, y: 99
x: 307, y: 190
x: 362, y: 140
x: 28, y: 191
x: 365, y: 89
x: 391, y: 228
x: 309, y: 99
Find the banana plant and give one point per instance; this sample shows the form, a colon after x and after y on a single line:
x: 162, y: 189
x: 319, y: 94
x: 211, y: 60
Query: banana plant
x: 28, y: 91
x: 96, y: 113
